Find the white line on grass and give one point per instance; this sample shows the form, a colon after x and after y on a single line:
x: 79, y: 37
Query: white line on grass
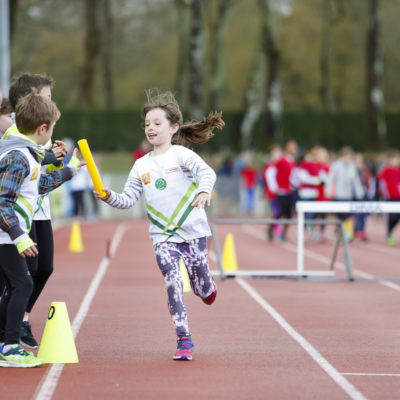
x: 48, y: 384
x: 348, y: 388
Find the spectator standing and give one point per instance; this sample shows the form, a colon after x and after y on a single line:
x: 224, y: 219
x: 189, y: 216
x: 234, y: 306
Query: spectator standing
x: 283, y: 186
x: 344, y: 184
x: 389, y: 182
x: 269, y: 178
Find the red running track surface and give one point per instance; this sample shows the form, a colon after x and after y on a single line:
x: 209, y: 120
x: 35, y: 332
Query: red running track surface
x: 261, y: 339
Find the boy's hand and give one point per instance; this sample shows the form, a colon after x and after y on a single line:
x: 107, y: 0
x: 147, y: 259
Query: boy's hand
x: 59, y: 149
x: 98, y: 197
x: 202, y: 199
x: 30, y: 252
x: 27, y: 248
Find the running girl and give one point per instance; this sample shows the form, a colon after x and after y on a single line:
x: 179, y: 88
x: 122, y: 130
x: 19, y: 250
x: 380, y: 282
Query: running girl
x: 177, y: 185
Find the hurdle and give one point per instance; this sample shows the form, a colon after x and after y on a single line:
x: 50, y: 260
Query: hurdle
x: 330, y: 207
x: 299, y: 272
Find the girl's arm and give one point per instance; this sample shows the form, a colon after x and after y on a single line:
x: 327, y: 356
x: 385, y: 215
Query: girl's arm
x: 204, y: 175
x: 132, y: 191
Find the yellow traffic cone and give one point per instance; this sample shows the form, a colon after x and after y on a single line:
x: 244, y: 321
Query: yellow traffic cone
x: 185, y: 277
x: 229, y: 262
x: 75, y: 241
x: 57, y: 344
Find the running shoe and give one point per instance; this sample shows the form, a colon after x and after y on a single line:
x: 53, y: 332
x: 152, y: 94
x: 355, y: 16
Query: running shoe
x: 391, y: 240
x: 211, y: 298
x: 26, y: 337
x: 185, y: 345
x: 17, y: 357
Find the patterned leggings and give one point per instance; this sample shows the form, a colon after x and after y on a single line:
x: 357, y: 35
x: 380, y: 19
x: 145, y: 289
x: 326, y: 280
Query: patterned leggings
x: 195, y: 256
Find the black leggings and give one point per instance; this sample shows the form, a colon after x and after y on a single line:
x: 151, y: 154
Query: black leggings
x: 18, y: 290
x: 41, y: 266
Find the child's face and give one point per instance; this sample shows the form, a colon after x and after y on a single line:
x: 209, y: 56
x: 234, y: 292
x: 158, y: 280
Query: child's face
x: 45, y: 91
x: 5, y: 122
x: 45, y: 133
x: 158, y: 128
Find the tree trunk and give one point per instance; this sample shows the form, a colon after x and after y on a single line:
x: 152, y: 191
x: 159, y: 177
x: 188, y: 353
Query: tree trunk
x: 325, y: 92
x: 13, y: 17
x: 376, y: 127
x: 91, y: 52
x: 273, y: 86
x: 182, y: 73
x: 196, y: 60
x: 217, y: 32
x: 254, y: 99
x: 107, y: 27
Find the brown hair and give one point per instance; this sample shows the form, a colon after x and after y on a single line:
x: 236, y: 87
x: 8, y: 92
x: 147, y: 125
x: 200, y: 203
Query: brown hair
x: 195, y: 132
x: 34, y: 110
x: 5, y: 107
x: 25, y: 83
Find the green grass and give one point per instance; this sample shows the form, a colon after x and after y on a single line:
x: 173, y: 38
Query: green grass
x: 115, y: 162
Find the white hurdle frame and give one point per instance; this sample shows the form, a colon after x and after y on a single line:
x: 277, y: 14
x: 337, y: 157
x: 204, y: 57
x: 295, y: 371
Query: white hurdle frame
x: 277, y: 273
x: 333, y: 207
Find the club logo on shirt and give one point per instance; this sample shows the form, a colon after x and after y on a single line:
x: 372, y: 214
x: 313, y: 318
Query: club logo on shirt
x: 35, y: 173
x: 146, y: 178
x: 161, y: 184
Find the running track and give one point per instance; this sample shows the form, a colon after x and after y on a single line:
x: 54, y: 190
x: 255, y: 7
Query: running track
x: 262, y: 339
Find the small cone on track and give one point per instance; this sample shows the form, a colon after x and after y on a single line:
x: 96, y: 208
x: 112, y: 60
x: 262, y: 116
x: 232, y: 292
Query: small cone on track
x: 229, y: 261
x: 75, y: 241
x: 185, y: 277
x: 57, y: 344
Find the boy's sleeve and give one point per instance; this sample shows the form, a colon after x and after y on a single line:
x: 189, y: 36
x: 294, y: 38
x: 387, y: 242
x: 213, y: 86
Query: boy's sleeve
x: 14, y: 167
x: 54, y: 179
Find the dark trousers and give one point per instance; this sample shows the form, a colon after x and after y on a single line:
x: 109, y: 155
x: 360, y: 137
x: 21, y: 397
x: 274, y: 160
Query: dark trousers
x: 286, y: 203
x: 41, y: 266
x: 18, y: 290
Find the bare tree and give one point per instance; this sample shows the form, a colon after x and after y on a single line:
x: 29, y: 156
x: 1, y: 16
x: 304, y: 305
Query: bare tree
x: 182, y: 73
x: 376, y: 127
x: 254, y: 98
x: 273, y: 85
x: 91, y: 51
x: 106, y: 53
x: 196, y: 59
x: 217, y: 31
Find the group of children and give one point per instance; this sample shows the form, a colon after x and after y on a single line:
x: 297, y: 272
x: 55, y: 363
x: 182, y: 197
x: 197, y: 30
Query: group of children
x: 177, y: 184
x: 318, y: 177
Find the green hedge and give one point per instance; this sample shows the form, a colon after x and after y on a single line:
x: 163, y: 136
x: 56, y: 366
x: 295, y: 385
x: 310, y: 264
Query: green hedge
x: 123, y: 130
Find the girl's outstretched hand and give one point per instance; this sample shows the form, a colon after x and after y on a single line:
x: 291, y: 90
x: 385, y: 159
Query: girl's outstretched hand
x: 202, y: 199
x: 98, y: 197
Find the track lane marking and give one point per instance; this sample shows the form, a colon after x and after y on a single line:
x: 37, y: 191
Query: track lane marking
x: 368, y: 374
x: 48, y: 384
x: 318, y: 257
x: 347, y: 387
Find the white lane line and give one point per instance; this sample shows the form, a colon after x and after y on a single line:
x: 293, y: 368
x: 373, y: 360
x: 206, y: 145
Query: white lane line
x: 318, y: 257
x: 367, y: 374
x: 347, y: 387
x: 48, y: 384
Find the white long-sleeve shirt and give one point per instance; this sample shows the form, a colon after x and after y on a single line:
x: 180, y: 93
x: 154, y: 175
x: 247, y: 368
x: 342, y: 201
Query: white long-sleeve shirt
x: 170, y: 183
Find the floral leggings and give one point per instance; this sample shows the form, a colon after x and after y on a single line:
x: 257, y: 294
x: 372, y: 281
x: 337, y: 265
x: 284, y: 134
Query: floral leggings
x: 195, y: 257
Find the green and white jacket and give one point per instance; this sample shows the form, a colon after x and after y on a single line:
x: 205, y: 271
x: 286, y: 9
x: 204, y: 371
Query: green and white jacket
x: 170, y: 183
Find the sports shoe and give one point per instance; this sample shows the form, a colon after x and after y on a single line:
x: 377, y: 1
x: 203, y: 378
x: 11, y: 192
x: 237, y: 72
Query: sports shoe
x: 185, y: 345
x: 17, y: 357
x: 211, y: 298
x: 26, y: 337
x: 391, y: 240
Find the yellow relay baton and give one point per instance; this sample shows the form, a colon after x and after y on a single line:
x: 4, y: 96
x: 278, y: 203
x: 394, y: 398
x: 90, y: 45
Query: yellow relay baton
x: 91, y: 166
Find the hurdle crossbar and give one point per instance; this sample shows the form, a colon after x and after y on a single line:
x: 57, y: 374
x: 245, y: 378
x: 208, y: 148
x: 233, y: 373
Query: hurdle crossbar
x: 277, y: 273
x: 330, y: 207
